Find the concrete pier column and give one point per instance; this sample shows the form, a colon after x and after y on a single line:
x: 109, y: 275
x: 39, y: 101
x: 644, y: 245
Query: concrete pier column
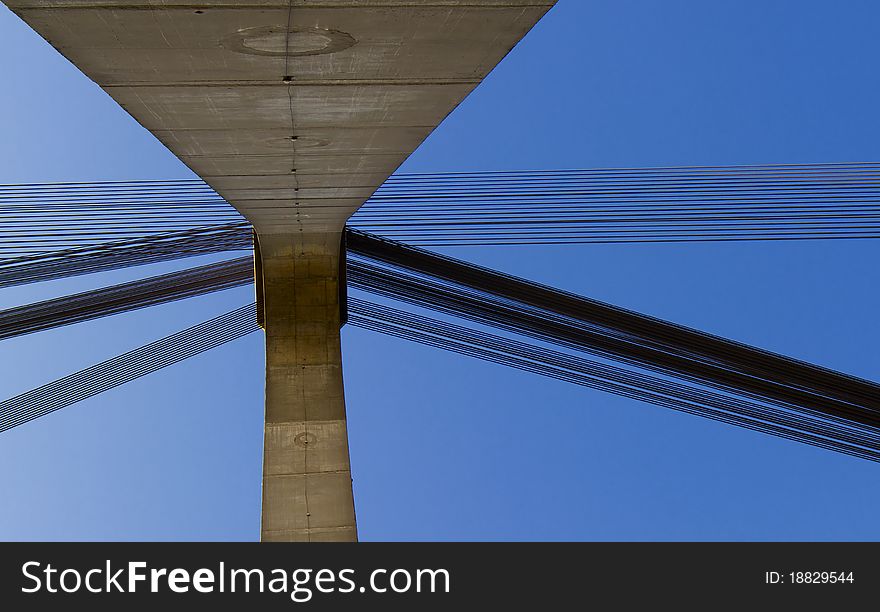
x: 307, y: 493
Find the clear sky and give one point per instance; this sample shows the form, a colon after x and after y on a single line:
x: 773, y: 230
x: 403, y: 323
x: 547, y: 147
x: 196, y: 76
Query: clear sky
x: 448, y: 448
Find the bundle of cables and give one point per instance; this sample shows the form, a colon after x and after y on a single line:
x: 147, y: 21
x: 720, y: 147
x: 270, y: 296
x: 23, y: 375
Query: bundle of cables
x: 715, y: 377
x: 127, y: 367
x: 597, y: 345
x: 141, y: 219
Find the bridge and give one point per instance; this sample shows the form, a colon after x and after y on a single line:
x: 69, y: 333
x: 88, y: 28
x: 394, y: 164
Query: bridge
x: 297, y: 113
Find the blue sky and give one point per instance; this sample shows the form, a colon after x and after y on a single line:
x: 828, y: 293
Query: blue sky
x: 447, y: 448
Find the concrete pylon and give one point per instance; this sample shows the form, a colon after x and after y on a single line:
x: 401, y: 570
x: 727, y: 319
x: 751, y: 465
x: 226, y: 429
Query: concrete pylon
x: 295, y: 112
x: 307, y: 488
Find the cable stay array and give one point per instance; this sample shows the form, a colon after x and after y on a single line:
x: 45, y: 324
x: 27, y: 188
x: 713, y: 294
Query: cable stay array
x: 593, y: 374
x: 819, y: 201
x: 127, y: 367
x: 125, y: 297
x: 537, y: 329
x: 799, y: 400
x: 735, y: 203
x: 124, y: 253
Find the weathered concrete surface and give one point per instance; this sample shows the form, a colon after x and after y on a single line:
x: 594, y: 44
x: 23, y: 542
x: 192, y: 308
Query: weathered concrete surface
x: 306, y: 475
x: 295, y: 111
x: 370, y: 80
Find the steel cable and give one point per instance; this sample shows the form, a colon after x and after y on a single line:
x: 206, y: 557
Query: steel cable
x: 127, y: 367
x: 773, y: 203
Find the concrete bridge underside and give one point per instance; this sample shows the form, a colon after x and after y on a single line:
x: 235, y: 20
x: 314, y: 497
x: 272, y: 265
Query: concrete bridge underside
x: 295, y: 112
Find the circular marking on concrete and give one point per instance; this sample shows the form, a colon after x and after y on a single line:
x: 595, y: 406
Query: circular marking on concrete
x: 302, y: 142
x: 271, y: 40
x: 305, y: 439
